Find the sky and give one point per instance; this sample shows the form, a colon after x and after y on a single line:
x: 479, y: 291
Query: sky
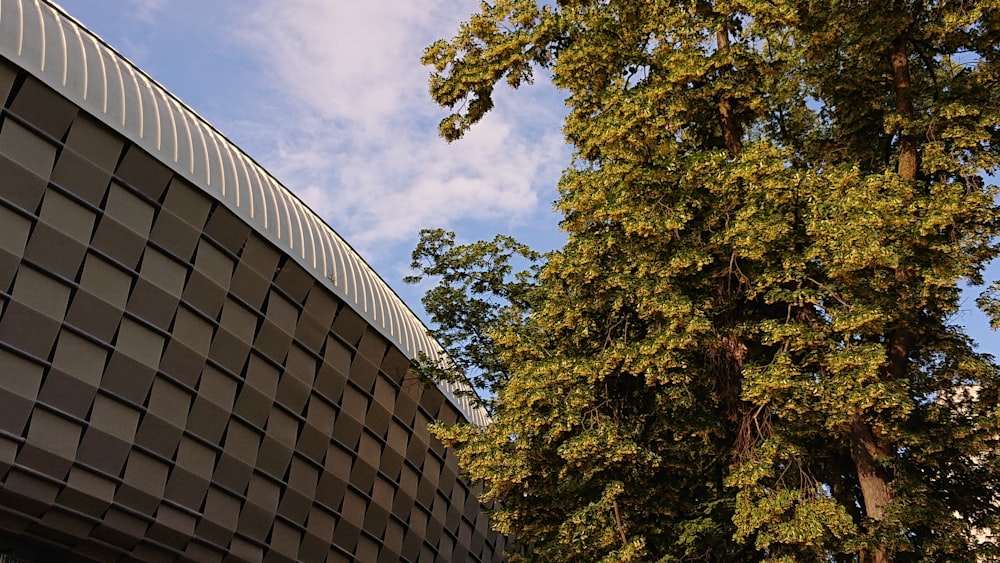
x: 331, y: 98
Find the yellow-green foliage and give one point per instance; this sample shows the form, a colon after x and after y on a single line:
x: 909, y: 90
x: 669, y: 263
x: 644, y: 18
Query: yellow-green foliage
x: 740, y: 303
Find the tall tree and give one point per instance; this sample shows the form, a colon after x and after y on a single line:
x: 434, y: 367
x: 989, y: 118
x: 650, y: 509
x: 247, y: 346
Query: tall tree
x: 745, y: 350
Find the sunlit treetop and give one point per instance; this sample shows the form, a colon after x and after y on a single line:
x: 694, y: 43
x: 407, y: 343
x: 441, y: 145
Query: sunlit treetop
x: 746, y: 349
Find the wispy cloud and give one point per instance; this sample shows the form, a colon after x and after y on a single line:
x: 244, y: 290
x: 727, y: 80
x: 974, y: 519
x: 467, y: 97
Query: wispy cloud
x: 350, y: 128
x: 147, y: 10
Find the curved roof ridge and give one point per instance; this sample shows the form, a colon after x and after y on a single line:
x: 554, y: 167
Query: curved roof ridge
x: 58, y: 50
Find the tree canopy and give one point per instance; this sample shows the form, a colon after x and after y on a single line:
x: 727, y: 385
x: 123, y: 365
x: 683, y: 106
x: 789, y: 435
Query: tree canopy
x: 747, y: 349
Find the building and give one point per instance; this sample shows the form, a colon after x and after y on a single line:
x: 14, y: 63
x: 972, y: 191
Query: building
x: 193, y: 366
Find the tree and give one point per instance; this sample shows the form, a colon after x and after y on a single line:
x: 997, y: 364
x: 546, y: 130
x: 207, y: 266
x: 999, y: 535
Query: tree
x: 476, y: 292
x: 745, y: 350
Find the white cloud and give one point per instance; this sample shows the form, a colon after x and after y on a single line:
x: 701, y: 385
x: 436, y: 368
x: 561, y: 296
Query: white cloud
x: 350, y: 128
x: 355, y: 62
x: 147, y: 10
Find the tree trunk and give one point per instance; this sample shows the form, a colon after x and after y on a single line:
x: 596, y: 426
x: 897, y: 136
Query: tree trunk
x: 907, y: 166
x: 865, y: 447
x: 865, y: 451
x: 732, y: 129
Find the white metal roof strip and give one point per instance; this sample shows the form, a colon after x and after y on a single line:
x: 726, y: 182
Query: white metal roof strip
x: 366, y: 290
x: 353, y: 270
x: 83, y: 61
x: 24, y: 33
x: 394, y: 325
x: 380, y: 313
x: 259, y: 184
x: 282, y: 198
x: 339, y: 274
x: 272, y: 189
x: 138, y: 99
x: 246, y: 179
x: 324, y: 243
x: 318, y: 245
x: 295, y: 225
x: 217, y: 172
x: 103, y: 87
x: 174, y: 135
x: 62, y: 40
x: 123, y: 105
x: 41, y: 30
x: 155, y: 102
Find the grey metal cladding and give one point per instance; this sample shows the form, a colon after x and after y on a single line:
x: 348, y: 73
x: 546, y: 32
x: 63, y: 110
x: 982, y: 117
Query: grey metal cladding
x: 44, y: 40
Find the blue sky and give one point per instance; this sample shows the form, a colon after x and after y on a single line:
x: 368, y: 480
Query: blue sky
x: 331, y: 98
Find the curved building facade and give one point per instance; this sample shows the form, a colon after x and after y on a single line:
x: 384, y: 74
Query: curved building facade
x: 193, y: 365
